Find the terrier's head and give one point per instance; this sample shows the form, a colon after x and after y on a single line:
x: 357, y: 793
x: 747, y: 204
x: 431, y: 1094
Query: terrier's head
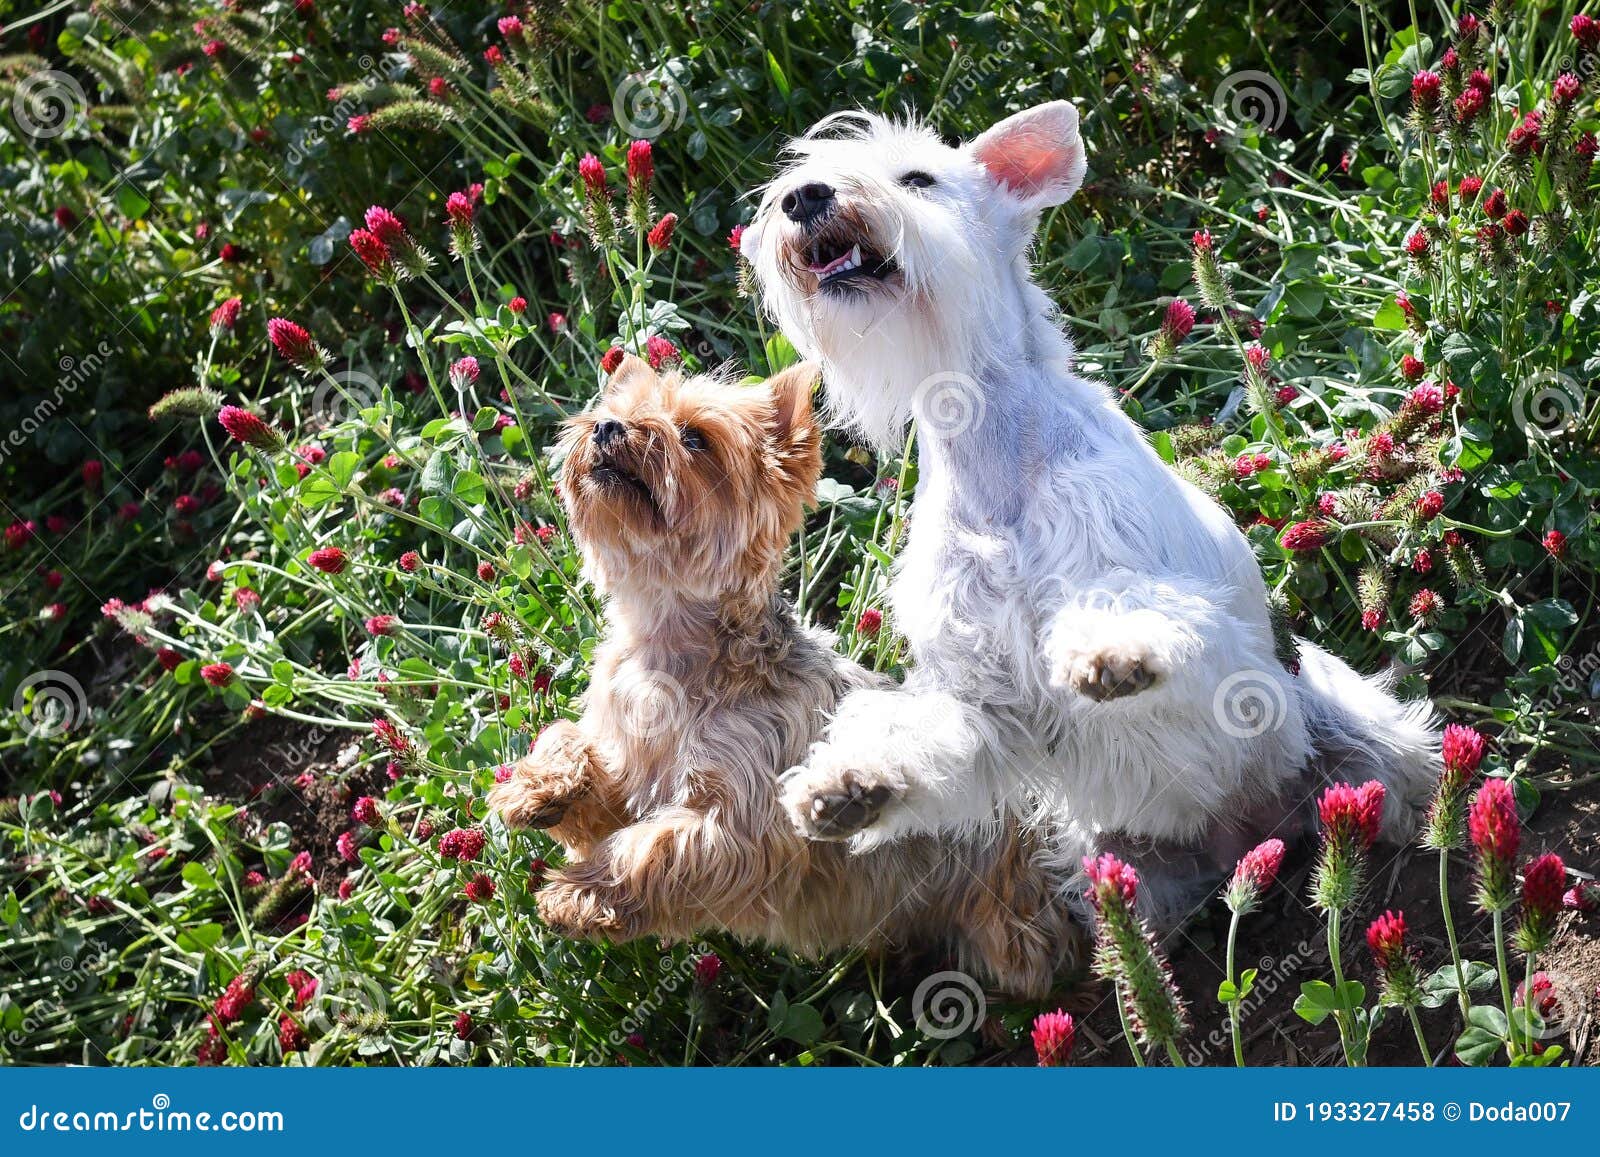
x: 885, y: 253
x: 690, y: 487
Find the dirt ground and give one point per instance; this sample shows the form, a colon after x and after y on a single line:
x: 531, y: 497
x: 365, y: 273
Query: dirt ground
x: 1284, y: 940
x: 1287, y: 944
x: 264, y: 767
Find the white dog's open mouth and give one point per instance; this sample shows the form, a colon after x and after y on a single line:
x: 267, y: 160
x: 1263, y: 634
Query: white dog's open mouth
x: 839, y: 256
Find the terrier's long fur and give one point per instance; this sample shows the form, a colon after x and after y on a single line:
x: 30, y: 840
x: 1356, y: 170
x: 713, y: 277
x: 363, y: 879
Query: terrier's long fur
x: 1090, y: 633
x: 683, y: 496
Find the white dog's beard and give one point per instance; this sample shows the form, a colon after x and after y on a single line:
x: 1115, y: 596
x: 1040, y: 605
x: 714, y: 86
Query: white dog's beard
x: 867, y: 390
x: 880, y: 354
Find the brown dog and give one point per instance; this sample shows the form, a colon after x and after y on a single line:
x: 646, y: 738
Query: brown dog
x: 683, y: 495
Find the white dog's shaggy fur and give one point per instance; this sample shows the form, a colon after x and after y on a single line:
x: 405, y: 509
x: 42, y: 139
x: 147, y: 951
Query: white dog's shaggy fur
x: 1089, y: 631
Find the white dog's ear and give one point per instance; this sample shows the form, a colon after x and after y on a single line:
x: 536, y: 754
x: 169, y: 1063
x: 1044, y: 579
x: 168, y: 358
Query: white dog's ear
x: 1037, y: 156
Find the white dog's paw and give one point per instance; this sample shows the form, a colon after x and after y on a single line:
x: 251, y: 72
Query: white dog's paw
x: 828, y: 801
x: 1109, y: 669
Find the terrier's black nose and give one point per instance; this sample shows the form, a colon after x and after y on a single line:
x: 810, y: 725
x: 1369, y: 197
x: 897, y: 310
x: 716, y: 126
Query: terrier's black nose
x: 608, y: 431
x: 806, y: 202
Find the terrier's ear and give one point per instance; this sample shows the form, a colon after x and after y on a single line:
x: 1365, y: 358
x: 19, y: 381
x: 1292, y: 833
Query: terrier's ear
x: 791, y: 402
x: 1036, y: 156
x: 631, y: 370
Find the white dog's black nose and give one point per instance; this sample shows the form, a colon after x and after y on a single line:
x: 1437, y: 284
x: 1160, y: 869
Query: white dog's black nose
x: 608, y: 431
x: 807, y: 202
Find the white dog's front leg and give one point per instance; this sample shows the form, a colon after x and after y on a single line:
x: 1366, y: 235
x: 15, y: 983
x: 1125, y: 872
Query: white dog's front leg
x: 1115, y: 641
x: 891, y: 763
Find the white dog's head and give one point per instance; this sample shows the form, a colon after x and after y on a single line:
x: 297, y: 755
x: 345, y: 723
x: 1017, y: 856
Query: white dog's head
x: 888, y: 255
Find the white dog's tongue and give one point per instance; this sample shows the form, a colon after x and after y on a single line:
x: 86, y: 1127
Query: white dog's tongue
x: 844, y: 261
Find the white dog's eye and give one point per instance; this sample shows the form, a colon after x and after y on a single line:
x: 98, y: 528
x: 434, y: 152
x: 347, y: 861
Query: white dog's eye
x: 916, y: 179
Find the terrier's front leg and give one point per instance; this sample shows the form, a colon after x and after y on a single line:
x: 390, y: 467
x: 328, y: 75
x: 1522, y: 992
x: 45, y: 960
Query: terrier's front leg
x: 563, y: 785
x: 890, y: 763
x: 671, y: 875
x: 581, y: 903
x: 548, y: 780
x: 837, y: 793
x: 1104, y: 654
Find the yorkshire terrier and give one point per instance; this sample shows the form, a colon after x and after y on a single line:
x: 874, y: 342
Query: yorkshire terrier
x: 683, y: 494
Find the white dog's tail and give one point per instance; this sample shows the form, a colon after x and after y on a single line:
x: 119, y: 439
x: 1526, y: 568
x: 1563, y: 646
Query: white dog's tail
x: 1360, y: 731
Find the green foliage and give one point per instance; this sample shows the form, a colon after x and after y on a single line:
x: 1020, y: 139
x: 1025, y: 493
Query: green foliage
x: 181, y: 179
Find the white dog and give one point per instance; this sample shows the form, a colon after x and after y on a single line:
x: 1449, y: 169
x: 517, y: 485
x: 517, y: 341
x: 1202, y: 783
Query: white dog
x: 1090, y: 633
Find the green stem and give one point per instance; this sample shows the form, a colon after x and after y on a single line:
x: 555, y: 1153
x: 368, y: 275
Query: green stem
x: 1512, y: 1047
x: 1342, y: 1014
x: 1450, y: 931
x: 1127, y: 1029
x: 1528, y: 1012
x: 1422, y: 1041
x: 1233, y: 1005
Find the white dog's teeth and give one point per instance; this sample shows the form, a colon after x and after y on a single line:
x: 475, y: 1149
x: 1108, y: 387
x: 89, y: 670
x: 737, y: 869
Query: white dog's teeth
x: 855, y: 256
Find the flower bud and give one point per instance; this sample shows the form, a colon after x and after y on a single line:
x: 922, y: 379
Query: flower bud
x: 1496, y: 833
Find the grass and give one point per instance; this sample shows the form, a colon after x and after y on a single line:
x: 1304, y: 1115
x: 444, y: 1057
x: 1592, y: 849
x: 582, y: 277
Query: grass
x: 132, y: 903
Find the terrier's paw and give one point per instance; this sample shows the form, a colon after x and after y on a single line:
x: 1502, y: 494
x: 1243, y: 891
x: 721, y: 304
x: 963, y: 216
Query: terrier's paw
x: 546, y: 781
x: 580, y: 911
x: 1107, y: 671
x: 835, y: 803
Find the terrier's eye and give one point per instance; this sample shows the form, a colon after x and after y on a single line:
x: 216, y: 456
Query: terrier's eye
x: 692, y: 439
x: 916, y: 179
